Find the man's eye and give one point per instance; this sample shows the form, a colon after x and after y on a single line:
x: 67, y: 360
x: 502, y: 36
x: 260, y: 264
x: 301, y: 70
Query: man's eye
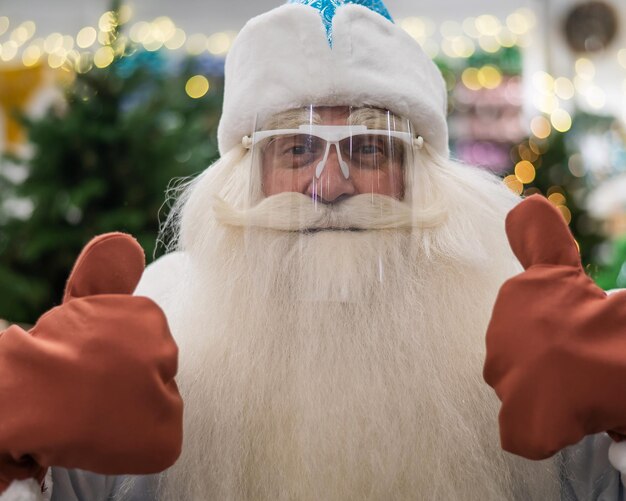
x: 370, y: 149
x: 302, y: 145
x: 300, y: 149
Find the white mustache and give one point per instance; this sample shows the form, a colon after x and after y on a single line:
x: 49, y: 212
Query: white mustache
x: 291, y: 211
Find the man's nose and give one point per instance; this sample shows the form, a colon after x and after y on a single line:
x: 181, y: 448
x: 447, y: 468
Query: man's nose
x: 332, y: 185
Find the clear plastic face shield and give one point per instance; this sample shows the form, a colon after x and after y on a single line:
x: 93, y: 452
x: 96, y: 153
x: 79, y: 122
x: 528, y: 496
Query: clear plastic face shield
x: 331, y: 155
x: 331, y: 190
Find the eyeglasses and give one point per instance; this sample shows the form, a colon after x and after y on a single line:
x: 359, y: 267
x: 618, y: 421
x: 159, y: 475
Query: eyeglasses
x: 356, y: 146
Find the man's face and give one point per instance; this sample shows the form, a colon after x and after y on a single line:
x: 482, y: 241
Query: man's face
x: 289, y: 165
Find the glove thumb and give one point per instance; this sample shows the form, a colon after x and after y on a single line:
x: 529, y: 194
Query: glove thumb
x: 538, y: 234
x: 110, y: 264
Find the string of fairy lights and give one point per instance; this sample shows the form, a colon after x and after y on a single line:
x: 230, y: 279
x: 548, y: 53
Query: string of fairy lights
x: 451, y: 38
x: 455, y: 40
x: 551, y: 96
x: 530, y: 153
x: 91, y: 46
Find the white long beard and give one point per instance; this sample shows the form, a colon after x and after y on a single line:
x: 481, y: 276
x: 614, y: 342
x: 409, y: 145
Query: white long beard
x: 345, y: 365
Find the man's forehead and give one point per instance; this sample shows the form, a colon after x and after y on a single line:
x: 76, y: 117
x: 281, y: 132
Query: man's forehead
x: 327, y: 115
x: 314, y: 114
x: 334, y: 113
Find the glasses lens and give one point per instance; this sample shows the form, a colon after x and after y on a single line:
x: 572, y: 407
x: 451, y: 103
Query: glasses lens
x: 362, y: 152
x: 372, y: 152
x: 295, y: 151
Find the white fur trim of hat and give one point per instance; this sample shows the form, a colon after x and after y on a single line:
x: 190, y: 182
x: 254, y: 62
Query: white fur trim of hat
x: 282, y: 60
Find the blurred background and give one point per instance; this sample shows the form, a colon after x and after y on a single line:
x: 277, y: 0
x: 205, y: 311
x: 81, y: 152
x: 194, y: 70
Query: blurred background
x: 106, y: 105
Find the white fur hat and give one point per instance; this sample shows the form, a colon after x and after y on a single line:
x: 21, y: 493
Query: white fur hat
x: 283, y: 59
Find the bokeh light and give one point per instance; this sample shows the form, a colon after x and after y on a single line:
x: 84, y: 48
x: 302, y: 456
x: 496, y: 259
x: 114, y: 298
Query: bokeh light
x: 30, y: 27
x: 107, y: 21
x: 532, y: 191
x: 9, y: 51
x: 415, y: 27
x: 543, y: 82
x: 469, y: 27
x: 540, y: 127
x: 561, y: 120
x: 152, y: 44
x: 489, y: 43
x: 197, y: 86
x: 464, y: 47
x: 430, y: 47
x: 538, y: 147
x: 103, y: 57
x: 57, y: 59
x: 196, y: 44
x: 526, y: 153
x: 564, y: 88
x: 546, y: 103
x: 489, y: 77
x: 576, y: 165
x: 621, y: 57
x: 163, y: 29
x: 525, y: 172
x: 4, y: 24
x: 86, y: 37
x: 555, y: 189
x: 19, y: 35
x: 506, y: 39
x: 596, y: 97
x: 53, y: 41
x: 450, y: 29
x: 557, y: 198
x: 567, y: 214
x: 513, y: 184
x: 469, y: 77
x: 67, y: 42
x: 84, y: 63
x: 488, y: 25
x: 219, y: 43
x: 125, y: 14
x: 517, y: 23
x: 529, y: 15
x: 177, y: 40
x: 139, y: 31
x: 585, y: 68
x: 31, y: 55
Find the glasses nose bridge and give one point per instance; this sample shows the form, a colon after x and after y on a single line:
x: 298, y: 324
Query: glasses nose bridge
x: 343, y: 165
x: 329, y: 146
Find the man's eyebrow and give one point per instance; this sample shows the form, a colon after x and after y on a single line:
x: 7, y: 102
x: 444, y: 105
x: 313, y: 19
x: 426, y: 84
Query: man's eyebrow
x: 291, y: 118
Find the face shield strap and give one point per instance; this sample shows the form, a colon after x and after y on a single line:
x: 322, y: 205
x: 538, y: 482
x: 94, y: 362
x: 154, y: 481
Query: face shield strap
x: 332, y: 135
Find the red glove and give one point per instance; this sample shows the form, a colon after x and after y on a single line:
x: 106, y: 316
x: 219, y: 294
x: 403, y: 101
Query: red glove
x: 92, y: 385
x: 556, y: 344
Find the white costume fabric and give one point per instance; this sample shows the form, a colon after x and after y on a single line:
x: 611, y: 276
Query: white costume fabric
x: 595, y: 479
x: 411, y: 366
x: 288, y: 63
x: 583, y: 471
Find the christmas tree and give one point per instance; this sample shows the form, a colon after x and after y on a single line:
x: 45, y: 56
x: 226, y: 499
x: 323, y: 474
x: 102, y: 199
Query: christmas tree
x: 558, y: 178
x: 102, y: 163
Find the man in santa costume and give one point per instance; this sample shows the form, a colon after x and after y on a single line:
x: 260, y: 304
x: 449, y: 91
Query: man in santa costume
x: 332, y: 281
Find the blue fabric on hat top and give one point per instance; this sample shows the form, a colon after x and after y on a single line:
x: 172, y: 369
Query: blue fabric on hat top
x: 327, y: 10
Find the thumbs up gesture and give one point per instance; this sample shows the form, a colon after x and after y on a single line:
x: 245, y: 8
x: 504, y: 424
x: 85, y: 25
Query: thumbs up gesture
x: 556, y: 343
x: 91, y: 386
